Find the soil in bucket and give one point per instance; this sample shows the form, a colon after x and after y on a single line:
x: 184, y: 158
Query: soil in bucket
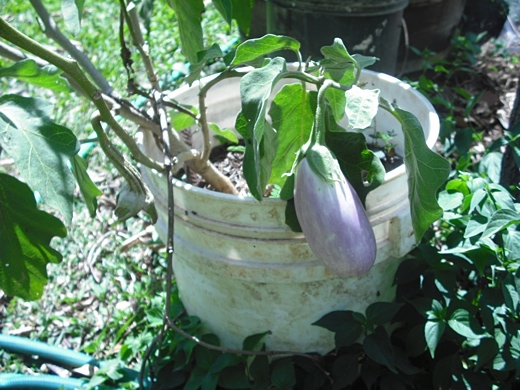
x: 369, y: 27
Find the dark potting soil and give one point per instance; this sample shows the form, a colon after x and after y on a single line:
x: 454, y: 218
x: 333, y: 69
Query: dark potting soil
x: 230, y: 164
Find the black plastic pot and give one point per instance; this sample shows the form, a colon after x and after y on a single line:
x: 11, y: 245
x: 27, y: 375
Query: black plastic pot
x: 368, y: 27
x: 430, y: 24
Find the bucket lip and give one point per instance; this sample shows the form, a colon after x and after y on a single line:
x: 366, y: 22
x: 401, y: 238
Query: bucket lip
x: 389, y: 176
x: 344, y: 7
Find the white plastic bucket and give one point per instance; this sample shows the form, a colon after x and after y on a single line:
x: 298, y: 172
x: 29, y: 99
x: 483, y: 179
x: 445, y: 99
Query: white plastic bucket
x: 243, y: 271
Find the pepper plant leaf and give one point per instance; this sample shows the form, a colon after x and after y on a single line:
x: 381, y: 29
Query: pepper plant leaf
x: 427, y: 171
x: 189, y: 19
x: 40, y: 148
x: 25, y: 235
x: 28, y: 71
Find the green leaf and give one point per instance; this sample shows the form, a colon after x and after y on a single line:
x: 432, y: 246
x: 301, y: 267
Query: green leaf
x: 427, y: 171
x: 189, y: 19
x: 28, y: 71
x: 255, y: 89
x: 512, y: 245
x: 40, y: 148
x: 511, y: 297
x: 254, y: 342
x: 72, y: 10
x: 362, y: 106
x: 338, y: 64
x: 486, y: 352
x: 362, y: 168
x: 381, y: 313
x: 292, y: 114
x: 501, y: 220
x: 225, y: 8
x: 228, y: 134
x: 450, y: 200
x: 347, y: 326
x: 283, y: 375
x: 88, y: 189
x: 252, y: 49
x: 465, y: 324
x: 337, y: 101
x: 433, y: 331
x: 203, y: 57
x: 242, y: 13
x: 378, y: 348
x: 25, y: 235
x: 345, y: 370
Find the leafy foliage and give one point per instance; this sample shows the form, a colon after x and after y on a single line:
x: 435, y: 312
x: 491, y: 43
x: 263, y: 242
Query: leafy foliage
x: 25, y: 235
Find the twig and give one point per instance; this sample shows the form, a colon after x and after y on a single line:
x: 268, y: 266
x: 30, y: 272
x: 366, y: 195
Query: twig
x: 240, y: 352
x: 137, y: 37
x: 54, y: 33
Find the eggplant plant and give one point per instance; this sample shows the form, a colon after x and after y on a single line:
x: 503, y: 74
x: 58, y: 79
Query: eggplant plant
x: 287, y: 134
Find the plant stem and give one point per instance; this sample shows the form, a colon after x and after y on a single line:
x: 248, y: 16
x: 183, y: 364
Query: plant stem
x: 137, y: 38
x: 203, y: 109
x: 53, y: 32
x: 319, y: 128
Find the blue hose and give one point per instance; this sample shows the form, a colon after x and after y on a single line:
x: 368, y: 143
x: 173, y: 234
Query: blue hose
x: 61, y: 356
x: 47, y: 382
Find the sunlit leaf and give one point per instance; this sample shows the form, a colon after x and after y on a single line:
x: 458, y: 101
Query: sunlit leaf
x: 189, y: 19
x: 28, y: 71
x: 362, y: 106
x: 40, y: 148
x: 252, y: 49
x: 292, y: 114
x: 427, y: 171
x: 255, y: 90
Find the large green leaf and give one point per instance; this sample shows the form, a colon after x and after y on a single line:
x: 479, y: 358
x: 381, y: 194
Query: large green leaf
x: 40, y: 148
x: 252, y: 49
x: 242, y: 13
x: 338, y: 64
x: 378, y: 348
x: 25, y: 234
x: 292, y: 114
x: 427, y: 171
x: 255, y: 89
x: 225, y: 8
x: 189, y: 18
x: 501, y: 220
x: 28, y: 71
